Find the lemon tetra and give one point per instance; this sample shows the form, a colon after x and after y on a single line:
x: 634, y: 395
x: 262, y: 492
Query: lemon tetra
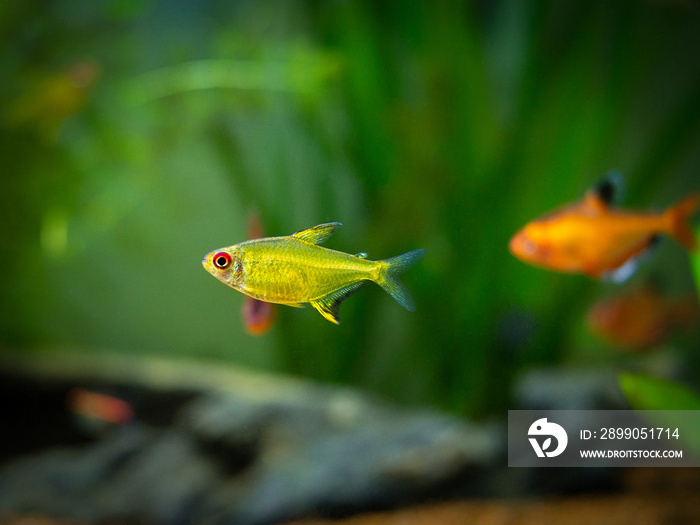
x: 295, y: 270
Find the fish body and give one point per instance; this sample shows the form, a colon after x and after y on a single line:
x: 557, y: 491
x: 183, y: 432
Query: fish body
x: 294, y: 270
x: 592, y: 238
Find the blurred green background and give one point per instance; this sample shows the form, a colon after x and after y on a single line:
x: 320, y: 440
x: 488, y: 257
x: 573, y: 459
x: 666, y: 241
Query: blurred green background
x: 139, y: 135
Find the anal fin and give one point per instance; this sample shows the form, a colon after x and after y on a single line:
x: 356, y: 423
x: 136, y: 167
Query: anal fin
x: 627, y: 269
x: 329, y: 305
x: 623, y: 272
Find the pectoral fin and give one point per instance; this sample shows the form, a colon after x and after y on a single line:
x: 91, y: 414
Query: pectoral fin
x: 329, y: 305
x: 318, y: 234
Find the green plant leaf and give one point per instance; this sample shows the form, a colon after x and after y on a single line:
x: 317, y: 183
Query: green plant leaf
x: 644, y: 392
x: 663, y: 397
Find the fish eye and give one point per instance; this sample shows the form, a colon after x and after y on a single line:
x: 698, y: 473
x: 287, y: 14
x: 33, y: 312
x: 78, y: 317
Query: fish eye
x: 222, y: 260
x: 529, y: 246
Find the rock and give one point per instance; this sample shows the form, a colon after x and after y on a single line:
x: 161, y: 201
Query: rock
x: 255, y: 453
x: 575, y: 389
x: 131, y: 473
x: 361, y: 467
x: 328, y: 450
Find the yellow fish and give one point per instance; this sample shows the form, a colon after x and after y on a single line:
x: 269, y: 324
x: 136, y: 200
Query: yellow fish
x: 294, y: 270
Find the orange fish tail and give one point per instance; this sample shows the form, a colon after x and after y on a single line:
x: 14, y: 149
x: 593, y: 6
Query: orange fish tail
x: 678, y: 218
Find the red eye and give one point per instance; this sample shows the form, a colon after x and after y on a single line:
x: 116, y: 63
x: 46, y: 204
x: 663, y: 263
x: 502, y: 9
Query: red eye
x: 222, y: 260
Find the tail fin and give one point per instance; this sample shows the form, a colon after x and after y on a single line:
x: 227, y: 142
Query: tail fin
x: 678, y: 217
x: 389, y: 277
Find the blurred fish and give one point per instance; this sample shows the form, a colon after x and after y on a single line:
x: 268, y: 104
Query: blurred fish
x: 87, y: 403
x: 258, y: 316
x: 592, y: 238
x: 642, y: 318
x: 51, y: 99
x: 294, y: 270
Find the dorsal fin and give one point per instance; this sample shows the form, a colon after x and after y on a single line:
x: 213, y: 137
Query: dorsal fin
x: 593, y: 203
x: 605, y: 193
x: 318, y: 234
x: 611, y: 188
x: 605, y: 190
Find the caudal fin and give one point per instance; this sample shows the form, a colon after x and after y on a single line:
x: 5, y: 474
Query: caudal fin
x: 389, y: 277
x: 679, y: 225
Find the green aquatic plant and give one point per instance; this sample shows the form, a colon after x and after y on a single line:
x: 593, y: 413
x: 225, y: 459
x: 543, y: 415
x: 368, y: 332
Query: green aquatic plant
x: 302, y: 72
x: 661, y: 400
x: 442, y: 125
x: 644, y: 392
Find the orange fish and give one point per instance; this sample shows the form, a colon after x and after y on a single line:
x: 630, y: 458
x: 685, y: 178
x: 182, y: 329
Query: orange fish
x: 641, y: 319
x: 99, y: 406
x: 258, y: 316
x: 591, y: 238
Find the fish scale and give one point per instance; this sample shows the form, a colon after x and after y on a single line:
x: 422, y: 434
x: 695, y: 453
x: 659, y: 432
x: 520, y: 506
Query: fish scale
x: 287, y: 270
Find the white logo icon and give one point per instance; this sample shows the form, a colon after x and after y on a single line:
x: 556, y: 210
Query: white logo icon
x: 543, y: 428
